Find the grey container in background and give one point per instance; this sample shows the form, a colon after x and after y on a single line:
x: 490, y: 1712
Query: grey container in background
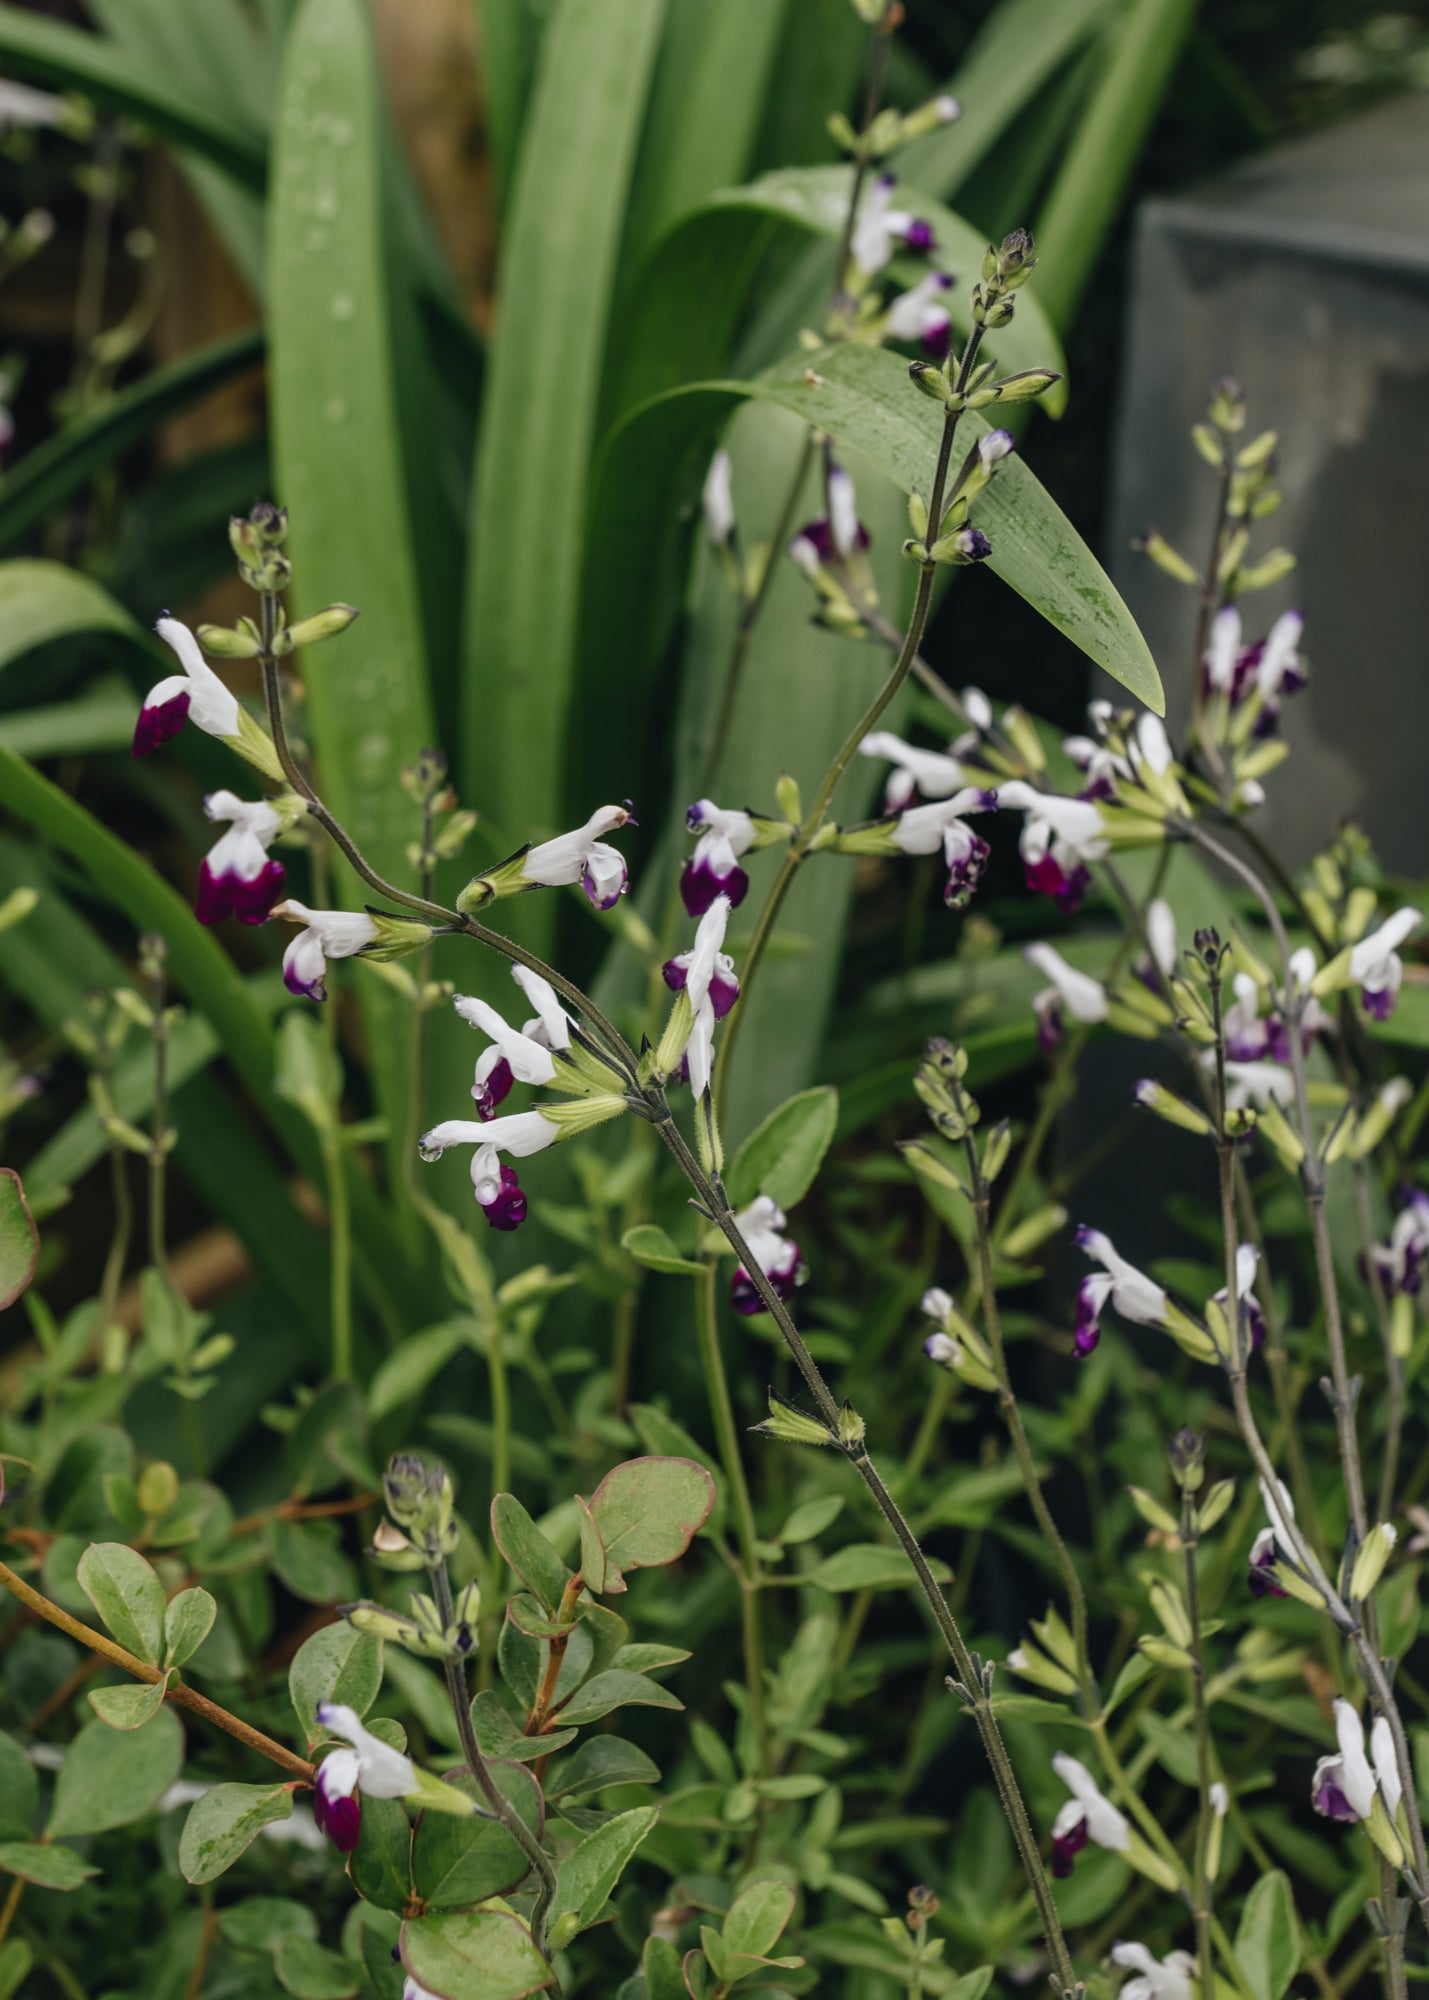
x: 1305, y: 273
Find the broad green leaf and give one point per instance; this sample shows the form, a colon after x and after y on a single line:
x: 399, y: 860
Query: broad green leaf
x: 45, y: 478
x: 1020, y: 46
x: 126, y: 1592
x: 500, y: 1736
x: 259, y: 1923
x: 109, y: 1778
x: 714, y: 70
x: 42, y: 600
x: 337, y: 1663
x: 650, y: 1246
x: 474, y: 1955
x: 539, y: 1566
x: 1142, y: 45
x: 310, y: 1972
x: 869, y: 1566
x: 19, y: 1239
x: 410, y: 1368
x: 459, y: 1862
x: 381, y: 1866
x: 309, y: 1561
x: 585, y: 1879
x: 19, y: 1791
x: 510, y: 32
x: 64, y: 58
x: 1267, y: 1943
x: 663, y: 1976
x: 47, y: 1867
x: 558, y: 267
x: 662, y: 1437
x: 602, y: 1761
x: 782, y: 1157
x: 648, y: 1511
x: 187, y: 1623
x: 224, y: 1822
x: 809, y: 1519
x: 129, y: 1706
x: 615, y: 1689
x: 754, y: 1924
x: 16, y: 1959
x: 336, y: 445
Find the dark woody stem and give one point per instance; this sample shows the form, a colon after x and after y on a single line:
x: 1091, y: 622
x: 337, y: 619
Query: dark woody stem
x: 500, y: 1805
x: 973, y: 1684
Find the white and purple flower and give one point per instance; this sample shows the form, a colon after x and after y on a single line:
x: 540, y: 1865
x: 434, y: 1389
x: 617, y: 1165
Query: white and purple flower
x: 1169, y: 1978
x: 778, y: 1256
x: 582, y: 856
x: 1270, y: 668
x: 1060, y: 837
x: 881, y: 229
x: 838, y: 535
x: 933, y: 773
x: 1087, y: 1815
x: 515, y: 1056
x: 497, y: 1189
x: 1071, y: 992
x: 1346, y: 1786
x: 705, y: 975
x: 1135, y: 1296
x: 922, y: 315
x: 370, y: 1765
x: 1272, y: 1543
x: 1401, y: 1262
x: 924, y: 829
x: 197, y: 694
x: 1376, y: 967
x: 326, y: 934
x: 237, y: 877
x: 713, y: 869
x: 1247, y: 1257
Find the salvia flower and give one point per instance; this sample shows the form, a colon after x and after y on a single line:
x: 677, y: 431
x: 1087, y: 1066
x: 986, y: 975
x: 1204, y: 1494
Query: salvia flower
x: 1087, y: 1815
x: 582, y: 856
x: 1169, y: 1978
x: 1071, y: 992
x: 1268, y: 669
x: 932, y: 772
x: 705, y: 976
x: 924, y: 829
x: 1271, y: 1543
x: 237, y: 877
x: 1349, y: 1785
x: 881, y: 229
x: 1135, y: 1296
x: 1253, y: 1036
x: 369, y: 1765
x: 1376, y: 967
x: 1401, y: 1262
x: 497, y: 1189
x: 922, y: 315
x: 717, y: 501
x: 778, y: 1256
x: 326, y: 934
x: 515, y: 1057
x: 197, y: 694
x: 835, y: 537
x: 1060, y: 837
x: 713, y: 869
x: 1247, y: 1257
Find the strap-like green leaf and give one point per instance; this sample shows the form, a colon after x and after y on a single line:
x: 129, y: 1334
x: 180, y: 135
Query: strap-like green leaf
x: 557, y: 272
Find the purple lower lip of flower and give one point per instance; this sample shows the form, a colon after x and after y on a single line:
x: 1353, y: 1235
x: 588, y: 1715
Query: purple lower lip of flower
x: 339, y: 1817
x: 966, y: 872
x: 919, y: 237
x: 1066, y: 1847
x: 250, y: 900
x: 158, y: 724
x: 937, y: 339
x: 1379, y: 1006
x: 493, y: 1091
x: 784, y: 1281
x: 1328, y: 1799
x: 305, y: 989
x: 594, y: 896
x: 1086, y: 1330
x: 1050, y: 1029
x: 724, y: 991
x: 1066, y: 886
x: 975, y: 545
x: 1255, y: 1321
x: 507, y: 1209
x: 674, y: 974
x: 700, y: 884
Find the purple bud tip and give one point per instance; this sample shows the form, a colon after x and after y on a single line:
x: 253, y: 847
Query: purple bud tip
x: 988, y: 801
x: 1081, y: 1233
x: 1145, y: 1092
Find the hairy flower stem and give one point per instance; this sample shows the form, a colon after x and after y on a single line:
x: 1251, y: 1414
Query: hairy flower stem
x: 750, y: 1568
x: 818, y: 812
x: 1012, y: 1417
x: 143, y: 1670
x: 974, y: 1684
x: 1201, y: 1879
x: 476, y: 1763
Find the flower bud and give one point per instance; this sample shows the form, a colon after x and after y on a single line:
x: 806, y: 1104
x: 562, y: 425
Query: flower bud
x: 322, y: 625
x: 1018, y: 388
x: 228, y: 644
x: 786, y: 797
x: 852, y: 1428
x: 392, y: 1550
x: 1154, y: 545
x: 929, y: 379
x: 1155, y: 1097
x: 1370, y: 1562
x: 791, y: 1425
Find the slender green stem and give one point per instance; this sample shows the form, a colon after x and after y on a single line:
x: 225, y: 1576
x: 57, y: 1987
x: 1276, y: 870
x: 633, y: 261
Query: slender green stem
x: 119, y: 1242
x: 476, y: 1763
x: 1201, y: 1878
x: 159, y: 1141
x: 746, y: 1531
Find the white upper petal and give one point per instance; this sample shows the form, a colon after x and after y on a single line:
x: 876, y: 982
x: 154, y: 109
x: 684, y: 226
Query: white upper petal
x: 1224, y: 647
x: 340, y: 932
x: 1279, y: 1508
x: 555, y: 863
x: 1371, y: 957
x: 520, y: 1134
x: 1161, y: 934
x: 551, y: 1014
x: 1281, y: 648
x: 1135, y: 1296
x: 718, y: 499
x: 922, y: 828
x: 530, y: 1062
x: 1386, y: 1764
x: 705, y: 956
x: 1246, y: 1259
x: 843, y: 511
x: 211, y: 705
x: 936, y: 774
x: 699, y: 1051
x: 1105, y: 1824
x: 1085, y: 997
x: 1356, y: 1778
x: 384, y: 1772
x: 730, y: 823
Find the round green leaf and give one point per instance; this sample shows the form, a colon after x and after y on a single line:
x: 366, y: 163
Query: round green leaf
x: 309, y: 1972
x: 473, y: 1955
x: 458, y: 1862
x: 187, y: 1623
x: 381, y: 1865
x: 259, y: 1923
x: 539, y: 1566
x: 19, y: 1239
x: 783, y: 1155
x: 19, y: 1791
x: 648, y: 1511
x: 224, y: 1822
x: 338, y: 1663
x: 46, y: 1866
x: 110, y: 1777
x: 129, y: 1706
x: 591, y: 1870
x: 127, y: 1594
